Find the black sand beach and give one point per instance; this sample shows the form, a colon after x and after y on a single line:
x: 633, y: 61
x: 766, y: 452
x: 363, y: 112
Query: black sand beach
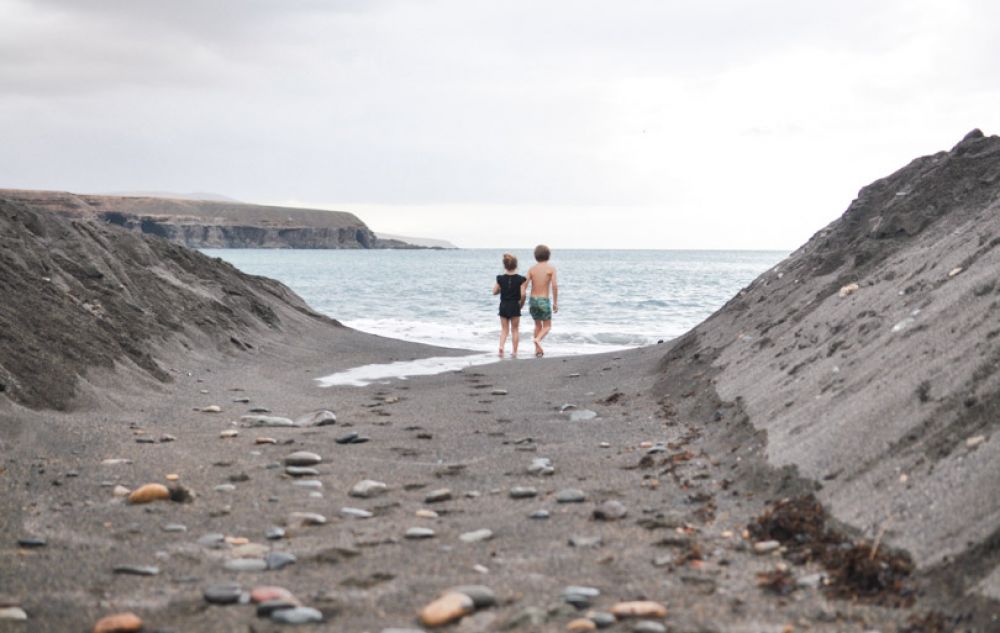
x: 693, y: 483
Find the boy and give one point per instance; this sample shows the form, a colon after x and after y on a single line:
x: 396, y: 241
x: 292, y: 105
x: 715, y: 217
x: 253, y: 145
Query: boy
x: 542, y: 275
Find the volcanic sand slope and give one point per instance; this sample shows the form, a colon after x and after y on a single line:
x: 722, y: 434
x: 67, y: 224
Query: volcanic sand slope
x: 888, y: 392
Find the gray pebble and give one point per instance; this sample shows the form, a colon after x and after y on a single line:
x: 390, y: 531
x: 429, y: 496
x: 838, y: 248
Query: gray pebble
x: 303, y: 458
x: 245, y: 564
x: 648, y: 626
x: 222, y: 594
x: 306, y: 518
x: 346, y: 438
x: 481, y: 595
x: 319, y: 418
x: 539, y: 515
x: 137, y: 570
x: 266, y: 608
x: 585, y: 541
x: 308, y: 483
x: 279, y: 560
x: 476, y: 536
x: 225, y: 488
x: 274, y: 533
x: 368, y: 488
x: 174, y: 527
x: 610, y: 510
x: 522, y: 492
x: 580, y: 597
x: 571, y: 495
x: 437, y: 496
x: 213, y: 540
x: 499, y: 392
x: 541, y: 466
x: 419, y: 533
x: 297, y: 615
x: 582, y: 415
x: 602, y: 619
x: 263, y: 421
x: 356, y: 513
x: 301, y: 471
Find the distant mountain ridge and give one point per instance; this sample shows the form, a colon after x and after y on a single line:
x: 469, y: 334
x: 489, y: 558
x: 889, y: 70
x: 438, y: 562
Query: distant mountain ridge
x: 425, y: 242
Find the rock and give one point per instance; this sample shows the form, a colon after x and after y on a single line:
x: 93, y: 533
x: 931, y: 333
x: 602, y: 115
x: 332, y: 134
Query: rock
x: 476, y: 536
x: 529, y: 618
x: 954, y: 271
x: 541, y: 466
x: 301, y: 471
x: 279, y: 560
x: 812, y: 581
x: 582, y: 415
x: 245, y: 564
x: 540, y: 515
x: 522, y: 492
x: 580, y: 597
x: 265, y: 440
x: 314, y: 484
x: 499, y: 392
x: 303, y: 458
x: 120, y: 491
x: 975, y: 441
x: 229, y: 434
x: 245, y: 549
x: 148, y: 493
x: 241, y: 400
x: 416, y: 533
x: 266, y: 608
x: 144, y: 440
x: 172, y: 477
x: 225, y: 488
x: 566, y: 407
x: 274, y: 533
x: 481, y: 595
x: 605, y: 445
x: 222, y: 594
x: 437, y: 496
x: 368, y: 488
x: 261, y: 421
x: 426, y: 514
x: 610, y: 510
x: 849, y: 289
x: 585, y: 541
x: 356, y: 513
x: 136, y: 570
x: 306, y: 518
x: 570, y: 495
x: 119, y: 623
x: 212, y: 408
x: 31, y: 542
x: 574, y: 375
x: 174, y: 527
x: 766, y: 547
x: 639, y: 609
x: 602, y: 619
x: 346, y: 438
x: 17, y: 614
x: 446, y: 609
x: 581, y: 624
x: 648, y: 626
x: 213, y: 540
x: 259, y: 410
x: 297, y: 615
x: 318, y: 418
x: 182, y: 494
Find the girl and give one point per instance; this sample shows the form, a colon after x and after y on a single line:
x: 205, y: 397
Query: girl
x: 511, y: 287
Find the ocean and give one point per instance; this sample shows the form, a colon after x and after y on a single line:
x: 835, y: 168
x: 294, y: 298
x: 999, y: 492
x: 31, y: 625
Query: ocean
x: 608, y: 299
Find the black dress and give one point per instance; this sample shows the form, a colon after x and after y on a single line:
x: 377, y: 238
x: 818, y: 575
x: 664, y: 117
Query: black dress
x: 510, y: 295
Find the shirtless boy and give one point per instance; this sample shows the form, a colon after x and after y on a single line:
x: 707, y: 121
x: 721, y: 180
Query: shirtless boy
x: 542, y: 276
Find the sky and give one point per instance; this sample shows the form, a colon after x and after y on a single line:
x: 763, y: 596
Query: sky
x: 578, y: 123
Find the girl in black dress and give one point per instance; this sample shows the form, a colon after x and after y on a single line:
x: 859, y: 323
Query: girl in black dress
x: 511, y: 287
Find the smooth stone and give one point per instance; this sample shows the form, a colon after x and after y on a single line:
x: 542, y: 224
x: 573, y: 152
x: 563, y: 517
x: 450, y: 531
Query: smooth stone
x: 541, y: 466
x: 318, y: 418
x: 241, y: 400
x: 812, y: 581
x: 765, y: 547
x: 13, y: 613
x: 245, y: 564
x: 222, y: 594
x: 229, y: 434
x: 574, y: 375
x: 356, y: 513
x: 481, y: 595
x: 361, y: 439
x: 306, y: 518
x: 225, y: 488
x: 522, y: 492
x: 274, y: 533
x: 437, y: 496
x: 303, y: 458
x: 602, y: 619
x: 301, y: 471
x: 137, y: 570
x: 419, y: 533
x: 539, y: 515
x: 567, y: 407
x: 279, y: 560
x: 261, y: 421
x: 308, y: 483
x: 570, y: 495
x: 610, y: 510
x: 115, y: 461
x: 259, y: 410
x: 585, y: 541
x: 368, y: 488
x: 581, y: 624
x: 346, y: 438
x: 266, y: 608
x: 580, y: 597
x: 248, y: 550
x: 448, y: 608
x: 297, y: 615
x: 582, y: 415
x: 120, y: 491
x: 639, y: 609
x: 426, y: 514
x: 182, y: 494
x: 145, y: 440
x: 31, y: 542
x: 119, y: 623
x: 148, y: 493
x: 212, y: 408
x: 498, y: 392
x: 648, y: 626
x: 213, y: 540
x: 265, y: 440
x: 476, y: 536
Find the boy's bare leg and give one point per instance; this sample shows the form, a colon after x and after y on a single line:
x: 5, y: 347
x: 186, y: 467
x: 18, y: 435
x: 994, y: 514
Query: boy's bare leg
x: 504, y: 328
x: 538, y: 329
x: 515, y: 334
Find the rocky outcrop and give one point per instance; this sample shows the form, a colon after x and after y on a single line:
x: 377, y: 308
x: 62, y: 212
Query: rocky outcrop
x: 870, y: 357
x: 214, y: 224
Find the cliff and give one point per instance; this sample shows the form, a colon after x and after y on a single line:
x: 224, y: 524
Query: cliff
x: 870, y: 359
x: 213, y: 224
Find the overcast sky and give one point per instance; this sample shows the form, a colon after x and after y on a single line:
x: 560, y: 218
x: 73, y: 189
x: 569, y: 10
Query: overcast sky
x: 589, y: 124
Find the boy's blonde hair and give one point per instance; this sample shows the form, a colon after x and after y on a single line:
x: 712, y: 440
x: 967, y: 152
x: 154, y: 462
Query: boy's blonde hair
x: 509, y: 261
x: 542, y: 253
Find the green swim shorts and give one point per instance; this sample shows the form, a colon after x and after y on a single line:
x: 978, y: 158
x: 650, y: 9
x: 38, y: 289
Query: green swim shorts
x: 540, y: 308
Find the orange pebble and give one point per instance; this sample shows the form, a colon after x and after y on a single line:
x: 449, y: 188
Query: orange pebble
x: 119, y: 623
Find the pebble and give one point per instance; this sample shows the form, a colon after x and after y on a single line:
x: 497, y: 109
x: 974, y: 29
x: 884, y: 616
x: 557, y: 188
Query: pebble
x: 241, y: 400
x: 225, y: 488
x: 419, y: 533
x: 570, y: 495
x: 523, y: 492
x: 120, y: 491
x: 581, y: 624
x: 605, y: 445
x: 222, y: 594
x: 580, y: 597
x: 144, y: 440
x: 213, y: 540
x: 318, y: 418
x: 279, y: 560
x: 259, y: 410
x: 574, y: 375
x: 306, y: 518
x: 368, y: 488
x: 265, y: 440
x: 766, y: 547
x: 585, y: 541
x: 148, y: 493
x: 266, y: 608
x: 229, y: 433
x: 975, y: 441
x: 308, y: 483
x: 119, y: 623
x: 539, y: 515
x: 172, y: 477
x: 812, y: 581
x: 212, y: 408
x: 265, y: 593
x: 137, y: 570
x: 301, y: 471
x: 582, y: 415
x: 297, y: 615
x: 437, y: 496
x: 245, y: 549
x: 245, y: 564
x: 602, y: 619
x: 610, y: 510
x: 174, y: 527
x: 648, y: 626
x: 356, y: 513
x: 639, y: 609
x: 481, y: 595
x: 499, y: 392
x: 260, y: 421
x: 346, y: 438
x: 115, y: 461
x: 476, y: 536
x: 303, y: 458
x: 13, y: 613
x: 447, y: 608
x: 274, y: 533
x: 31, y: 542
x: 566, y: 407
x: 427, y: 514
x: 541, y: 466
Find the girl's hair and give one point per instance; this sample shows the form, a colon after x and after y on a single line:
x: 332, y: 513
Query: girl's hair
x: 509, y: 261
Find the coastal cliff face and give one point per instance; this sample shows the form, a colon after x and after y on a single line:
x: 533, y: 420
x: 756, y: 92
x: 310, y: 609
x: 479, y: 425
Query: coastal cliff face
x: 870, y: 357
x: 214, y: 224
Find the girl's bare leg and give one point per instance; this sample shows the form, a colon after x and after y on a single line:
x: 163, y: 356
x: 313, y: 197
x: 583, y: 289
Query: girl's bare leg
x: 504, y: 328
x: 515, y: 333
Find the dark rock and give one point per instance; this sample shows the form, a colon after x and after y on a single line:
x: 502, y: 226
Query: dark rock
x: 222, y: 594
x: 137, y: 570
x: 279, y: 560
x: 30, y: 542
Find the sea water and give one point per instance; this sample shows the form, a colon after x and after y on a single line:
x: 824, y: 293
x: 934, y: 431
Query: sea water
x: 608, y: 299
